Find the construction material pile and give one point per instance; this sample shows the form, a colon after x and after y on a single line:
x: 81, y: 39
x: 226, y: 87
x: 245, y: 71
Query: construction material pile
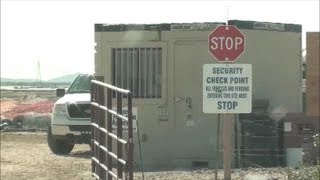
x: 11, y: 109
x: 26, y: 110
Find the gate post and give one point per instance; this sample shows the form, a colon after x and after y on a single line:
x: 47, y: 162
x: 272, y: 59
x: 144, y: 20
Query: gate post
x: 109, y: 129
x: 93, y: 119
x: 101, y: 134
x: 130, y: 138
x: 119, y: 134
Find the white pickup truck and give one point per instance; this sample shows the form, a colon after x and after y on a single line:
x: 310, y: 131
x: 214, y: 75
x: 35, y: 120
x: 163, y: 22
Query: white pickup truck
x: 70, y: 123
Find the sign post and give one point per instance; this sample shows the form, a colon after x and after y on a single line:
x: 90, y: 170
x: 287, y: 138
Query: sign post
x: 227, y: 88
x: 227, y: 144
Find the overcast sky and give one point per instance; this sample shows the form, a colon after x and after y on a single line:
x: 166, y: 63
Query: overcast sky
x: 60, y: 34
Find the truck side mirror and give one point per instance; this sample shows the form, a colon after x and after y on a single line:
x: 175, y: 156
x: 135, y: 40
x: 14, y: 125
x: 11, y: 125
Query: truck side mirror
x: 60, y: 92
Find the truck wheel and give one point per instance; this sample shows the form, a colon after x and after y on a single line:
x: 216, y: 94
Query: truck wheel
x: 58, y: 146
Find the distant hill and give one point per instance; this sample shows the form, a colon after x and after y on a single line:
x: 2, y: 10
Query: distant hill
x: 67, y: 78
x: 63, y: 79
x: 17, y: 80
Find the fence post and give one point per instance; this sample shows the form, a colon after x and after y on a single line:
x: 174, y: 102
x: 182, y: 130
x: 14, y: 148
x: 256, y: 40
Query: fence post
x: 102, y: 135
x: 109, y: 129
x: 119, y: 133
x: 92, y: 99
x: 130, y: 138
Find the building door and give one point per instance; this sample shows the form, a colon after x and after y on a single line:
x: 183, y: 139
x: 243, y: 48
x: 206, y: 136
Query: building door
x: 195, y: 130
x: 186, y: 86
x: 189, y: 59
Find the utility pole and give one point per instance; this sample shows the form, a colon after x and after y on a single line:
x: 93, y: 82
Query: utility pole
x: 39, y: 74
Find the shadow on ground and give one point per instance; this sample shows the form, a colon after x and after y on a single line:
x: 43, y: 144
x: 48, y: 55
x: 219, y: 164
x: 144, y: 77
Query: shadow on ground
x: 81, y: 154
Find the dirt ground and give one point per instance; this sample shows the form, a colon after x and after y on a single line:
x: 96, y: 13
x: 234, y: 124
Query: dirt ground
x: 27, y: 156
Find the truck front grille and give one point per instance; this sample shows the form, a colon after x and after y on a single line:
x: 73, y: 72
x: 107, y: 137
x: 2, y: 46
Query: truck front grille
x: 79, y: 110
x: 82, y: 128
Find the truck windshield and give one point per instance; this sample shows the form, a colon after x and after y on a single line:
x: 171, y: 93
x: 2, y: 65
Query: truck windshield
x: 81, y: 84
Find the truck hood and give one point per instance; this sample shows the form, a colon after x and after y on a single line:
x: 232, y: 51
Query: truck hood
x: 81, y: 98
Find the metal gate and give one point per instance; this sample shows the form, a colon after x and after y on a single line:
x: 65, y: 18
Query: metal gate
x: 102, y: 136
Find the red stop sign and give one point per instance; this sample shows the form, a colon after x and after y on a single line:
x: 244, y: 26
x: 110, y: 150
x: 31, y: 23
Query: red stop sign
x: 226, y: 43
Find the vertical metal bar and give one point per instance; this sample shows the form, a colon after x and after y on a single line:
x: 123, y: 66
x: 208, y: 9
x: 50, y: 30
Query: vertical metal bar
x: 118, y: 61
x: 156, y: 71
x: 133, y: 64
x: 130, y: 138
x: 109, y: 129
x: 112, y: 66
x: 150, y: 72
x: 96, y: 137
x: 119, y: 133
x: 116, y: 67
x: 140, y: 71
x: 145, y: 73
x: 92, y: 99
x: 102, y: 135
x: 122, y: 67
x: 154, y: 67
x: 128, y: 68
x: 160, y: 72
x: 97, y: 133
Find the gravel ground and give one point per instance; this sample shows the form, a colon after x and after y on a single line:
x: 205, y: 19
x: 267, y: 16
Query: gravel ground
x: 27, y: 156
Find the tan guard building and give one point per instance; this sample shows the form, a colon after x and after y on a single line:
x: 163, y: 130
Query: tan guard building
x: 162, y: 65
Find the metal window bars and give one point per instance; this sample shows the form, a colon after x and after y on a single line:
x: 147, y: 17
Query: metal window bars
x: 102, y: 135
x: 138, y: 69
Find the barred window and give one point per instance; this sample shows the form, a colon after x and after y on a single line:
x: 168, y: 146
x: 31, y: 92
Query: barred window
x: 138, y: 69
